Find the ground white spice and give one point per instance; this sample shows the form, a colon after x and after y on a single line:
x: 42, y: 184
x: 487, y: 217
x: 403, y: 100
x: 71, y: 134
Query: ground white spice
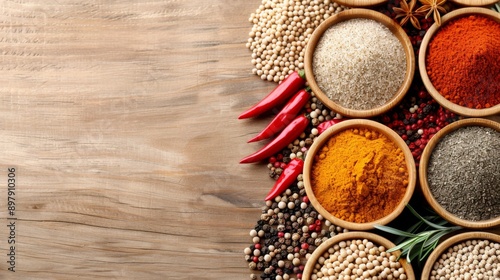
x: 280, y: 32
x: 359, y: 64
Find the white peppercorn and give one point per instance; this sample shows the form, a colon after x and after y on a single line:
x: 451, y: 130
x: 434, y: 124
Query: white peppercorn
x: 473, y: 259
x: 344, y: 260
x: 280, y: 32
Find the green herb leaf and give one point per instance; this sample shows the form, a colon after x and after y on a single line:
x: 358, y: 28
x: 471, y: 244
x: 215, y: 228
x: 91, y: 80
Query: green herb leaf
x: 421, y: 238
x: 434, y: 225
x: 394, y: 231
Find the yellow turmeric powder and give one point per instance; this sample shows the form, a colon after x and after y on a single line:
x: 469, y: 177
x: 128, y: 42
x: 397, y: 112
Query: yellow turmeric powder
x: 359, y: 175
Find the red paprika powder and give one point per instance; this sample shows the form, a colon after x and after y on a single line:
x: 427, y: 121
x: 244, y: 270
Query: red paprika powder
x: 463, y: 61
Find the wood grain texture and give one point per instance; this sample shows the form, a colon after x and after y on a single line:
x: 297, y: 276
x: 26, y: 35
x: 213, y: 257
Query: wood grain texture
x: 120, y: 118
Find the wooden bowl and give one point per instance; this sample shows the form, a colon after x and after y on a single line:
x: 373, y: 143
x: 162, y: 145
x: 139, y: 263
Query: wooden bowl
x: 460, y: 110
x: 447, y: 243
x: 394, y: 27
x: 360, y: 3
x: 322, y: 140
x: 374, y: 238
x: 474, y: 3
x: 423, y: 169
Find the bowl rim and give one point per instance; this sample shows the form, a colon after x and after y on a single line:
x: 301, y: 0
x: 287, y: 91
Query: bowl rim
x: 423, y: 168
x: 394, y: 27
x: 389, y: 133
x: 460, y: 110
x: 444, y: 245
x: 469, y: 3
x: 362, y: 3
x: 375, y: 238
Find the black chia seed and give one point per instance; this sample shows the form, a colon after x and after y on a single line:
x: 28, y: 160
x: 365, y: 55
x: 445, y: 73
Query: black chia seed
x: 464, y: 173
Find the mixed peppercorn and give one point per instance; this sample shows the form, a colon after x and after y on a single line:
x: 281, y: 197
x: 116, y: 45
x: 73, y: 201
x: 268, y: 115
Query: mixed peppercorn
x: 288, y: 230
x: 417, y: 119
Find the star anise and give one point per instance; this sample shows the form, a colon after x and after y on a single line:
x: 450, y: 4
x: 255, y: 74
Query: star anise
x: 406, y: 12
x: 432, y: 7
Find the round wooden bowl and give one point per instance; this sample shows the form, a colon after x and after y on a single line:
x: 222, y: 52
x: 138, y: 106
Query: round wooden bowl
x: 360, y: 3
x: 423, y: 178
x: 374, y: 238
x: 447, y: 243
x: 461, y: 110
x: 359, y: 123
x: 474, y: 3
x: 394, y: 27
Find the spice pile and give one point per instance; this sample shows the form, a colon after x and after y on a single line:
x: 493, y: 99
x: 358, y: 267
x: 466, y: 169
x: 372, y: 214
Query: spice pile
x: 358, y: 259
x: 359, y: 175
x: 359, y: 64
x: 466, y: 50
x: 463, y: 172
x: 472, y: 259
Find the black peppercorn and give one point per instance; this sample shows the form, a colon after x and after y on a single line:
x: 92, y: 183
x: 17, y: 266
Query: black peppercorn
x: 313, y: 214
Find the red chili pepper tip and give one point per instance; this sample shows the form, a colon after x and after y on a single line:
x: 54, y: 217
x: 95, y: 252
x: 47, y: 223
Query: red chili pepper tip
x: 279, y: 95
x: 285, y: 116
x: 289, y: 134
x: 287, y: 177
x: 325, y: 125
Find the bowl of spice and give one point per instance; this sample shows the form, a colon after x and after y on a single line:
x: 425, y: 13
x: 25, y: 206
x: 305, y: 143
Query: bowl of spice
x: 459, y: 173
x: 359, y: 63
x: 356, y: 255
x: 459, y: 62
x: 359, y: 173
x: 471, y: 255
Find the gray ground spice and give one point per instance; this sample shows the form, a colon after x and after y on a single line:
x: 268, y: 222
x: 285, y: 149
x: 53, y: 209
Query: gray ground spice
x: 464, y: 173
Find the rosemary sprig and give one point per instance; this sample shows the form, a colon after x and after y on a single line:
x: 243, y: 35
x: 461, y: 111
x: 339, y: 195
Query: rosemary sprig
x: 419, y: 240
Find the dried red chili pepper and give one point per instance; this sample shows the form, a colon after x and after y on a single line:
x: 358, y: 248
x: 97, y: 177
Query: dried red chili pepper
x: 290, y: 173
x: 279, y: 95
x: 285, y: 116
x: 289, y: 134
x: 325, y: 125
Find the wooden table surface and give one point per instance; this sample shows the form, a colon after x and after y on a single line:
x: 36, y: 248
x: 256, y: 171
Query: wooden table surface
x: 120, y: 120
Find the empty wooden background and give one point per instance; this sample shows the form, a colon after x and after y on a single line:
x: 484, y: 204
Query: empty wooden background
x: 120, y: 118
